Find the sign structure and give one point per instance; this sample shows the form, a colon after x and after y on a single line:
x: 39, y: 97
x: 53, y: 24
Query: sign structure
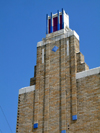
x: 64, y: 95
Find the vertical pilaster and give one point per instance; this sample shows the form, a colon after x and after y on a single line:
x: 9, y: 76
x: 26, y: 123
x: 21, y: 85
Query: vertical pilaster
x: 73, y: 77
x: 41, y: 91
x: 36, y: 111
x: 63, y: 87
x: 68, y: 93
x: 46, y: 91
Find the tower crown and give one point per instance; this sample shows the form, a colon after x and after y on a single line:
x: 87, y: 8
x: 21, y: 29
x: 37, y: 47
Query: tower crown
x: 57, y: 21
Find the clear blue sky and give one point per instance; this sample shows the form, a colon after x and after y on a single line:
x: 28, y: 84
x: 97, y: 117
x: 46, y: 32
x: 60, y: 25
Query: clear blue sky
x: 22, y: 25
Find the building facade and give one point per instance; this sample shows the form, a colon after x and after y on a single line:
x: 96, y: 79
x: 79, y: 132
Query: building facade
x: 64, y: 95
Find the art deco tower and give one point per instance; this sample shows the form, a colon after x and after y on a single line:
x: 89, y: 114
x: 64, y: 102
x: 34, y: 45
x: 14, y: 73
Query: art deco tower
x: 60, y: 94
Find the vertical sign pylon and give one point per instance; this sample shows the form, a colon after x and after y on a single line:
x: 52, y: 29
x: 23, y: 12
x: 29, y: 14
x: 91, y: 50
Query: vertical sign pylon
x: 46, y: 23
x: 62, y: 18
x: 58, y: 25
x: 51, y: 28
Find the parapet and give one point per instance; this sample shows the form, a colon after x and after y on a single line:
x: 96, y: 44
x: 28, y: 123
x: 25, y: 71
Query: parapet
x: 88, y: 73
x: 27, y: 89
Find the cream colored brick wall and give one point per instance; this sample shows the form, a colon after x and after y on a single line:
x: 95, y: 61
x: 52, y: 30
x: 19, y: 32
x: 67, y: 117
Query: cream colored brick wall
x: 58, y: 95
x: 88, y: 103
x: 25, y: 113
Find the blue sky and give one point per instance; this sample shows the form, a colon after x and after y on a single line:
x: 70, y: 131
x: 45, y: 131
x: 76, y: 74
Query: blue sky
x: 22, y: 25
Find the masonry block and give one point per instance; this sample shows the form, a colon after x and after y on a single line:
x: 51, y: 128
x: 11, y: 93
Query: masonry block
x: 55, y: 48
x: 74, y: 117
x: 63, y: 131
x: 36, y: 125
